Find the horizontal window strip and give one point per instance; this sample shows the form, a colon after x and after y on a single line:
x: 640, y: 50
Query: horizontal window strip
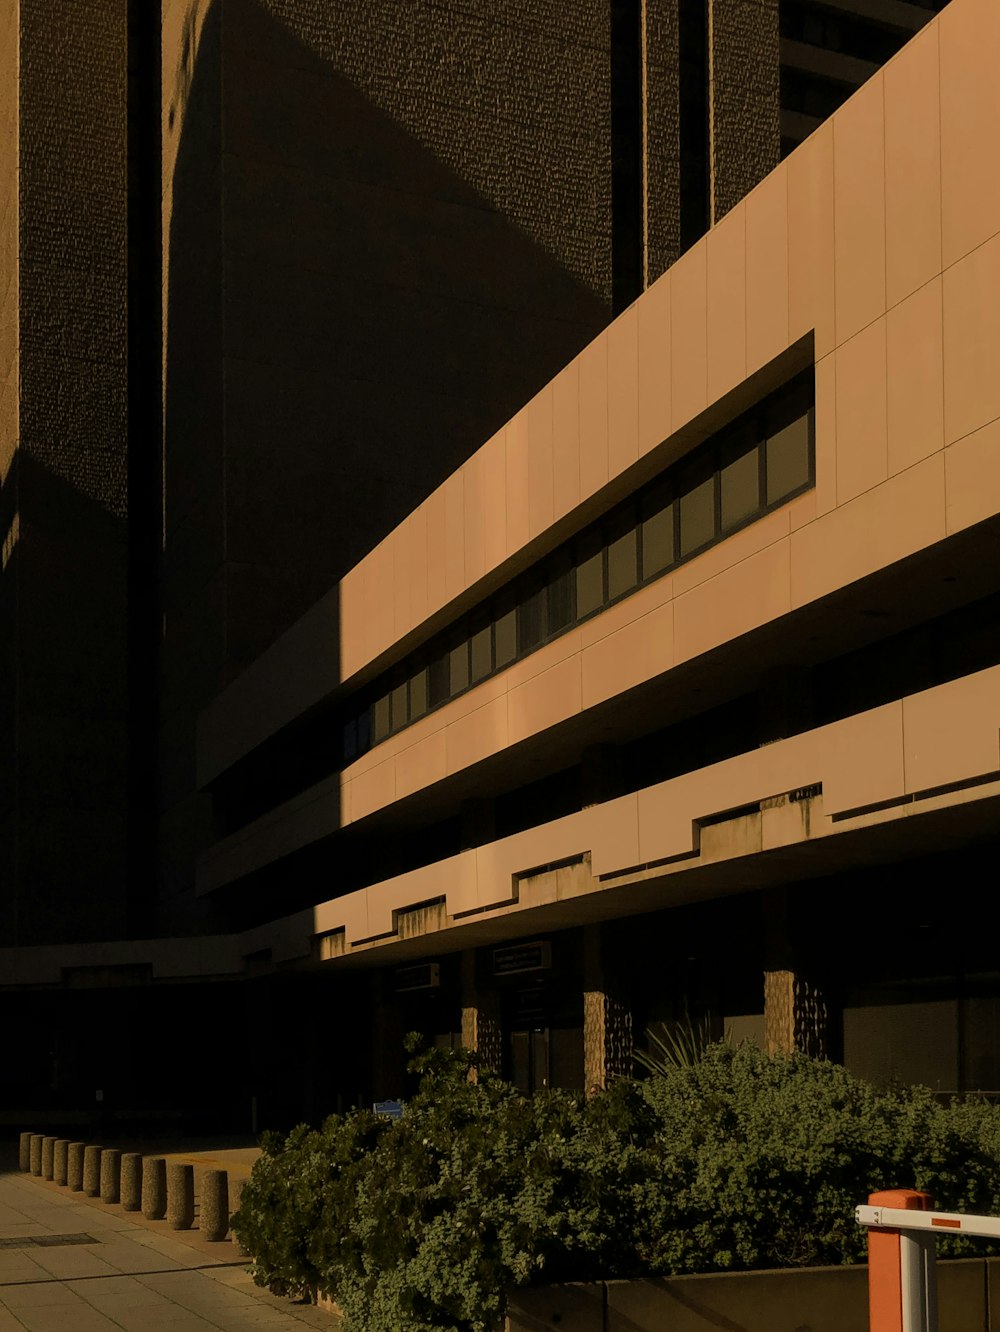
x: 759, y: 462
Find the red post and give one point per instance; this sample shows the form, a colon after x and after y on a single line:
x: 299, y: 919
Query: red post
x: 892, y: 1305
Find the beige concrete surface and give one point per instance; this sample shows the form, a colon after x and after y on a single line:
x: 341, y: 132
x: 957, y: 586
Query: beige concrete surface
x: 129, y: 1273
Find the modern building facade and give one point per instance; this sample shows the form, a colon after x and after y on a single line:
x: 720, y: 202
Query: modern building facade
x: 576, y: 547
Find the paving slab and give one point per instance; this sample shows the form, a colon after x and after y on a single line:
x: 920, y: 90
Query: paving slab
x: 103, y: 1270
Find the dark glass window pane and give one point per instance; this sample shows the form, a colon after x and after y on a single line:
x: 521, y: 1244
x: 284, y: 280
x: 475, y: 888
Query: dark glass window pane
x: 505, y: 633
x: 365, y: 731
x: 397, y: 706
x: 439, y: 680
x: 380, y: 719
x: 623, y: 558
x: 740, y: 485
x: 350, y: 739
x: 657, y: 534
x: 787, y: 459
x: 697, y: 514
x: 561, y: 596
x: 531, y: 619
x: 418, y: 693
x: 482, y: 652
x: 589, y: 577
x: 458, y: 659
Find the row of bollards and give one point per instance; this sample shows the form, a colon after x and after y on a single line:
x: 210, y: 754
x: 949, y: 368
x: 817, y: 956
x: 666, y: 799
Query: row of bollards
x: 159, y: 1189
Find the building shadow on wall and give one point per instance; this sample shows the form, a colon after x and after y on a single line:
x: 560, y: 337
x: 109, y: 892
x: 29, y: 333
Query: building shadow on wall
x: 348, y: 320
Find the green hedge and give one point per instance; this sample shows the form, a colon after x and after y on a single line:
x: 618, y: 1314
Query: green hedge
x: 738, y: 1161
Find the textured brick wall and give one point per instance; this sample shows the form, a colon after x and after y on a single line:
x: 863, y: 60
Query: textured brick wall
x: 72, y: 469
x: 746, y: 139
x: 407, y: 234
x: 662, y: 128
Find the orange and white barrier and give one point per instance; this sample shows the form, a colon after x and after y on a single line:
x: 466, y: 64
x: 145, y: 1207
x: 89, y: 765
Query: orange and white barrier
x: 902, y: 1276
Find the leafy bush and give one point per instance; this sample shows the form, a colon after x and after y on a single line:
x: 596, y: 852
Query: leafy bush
x: 734, y: 1160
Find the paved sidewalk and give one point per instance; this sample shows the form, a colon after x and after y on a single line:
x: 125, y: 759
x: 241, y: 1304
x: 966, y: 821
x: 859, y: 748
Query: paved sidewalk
x: 73, y: 1264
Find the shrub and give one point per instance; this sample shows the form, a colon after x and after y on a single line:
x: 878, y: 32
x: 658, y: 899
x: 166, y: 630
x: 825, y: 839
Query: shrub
x: 733, y: 1160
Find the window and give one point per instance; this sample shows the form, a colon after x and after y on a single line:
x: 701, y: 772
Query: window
x: 623, y: 556
x: 758, y: 462
x: 657, y: 532
x: 697, y: 510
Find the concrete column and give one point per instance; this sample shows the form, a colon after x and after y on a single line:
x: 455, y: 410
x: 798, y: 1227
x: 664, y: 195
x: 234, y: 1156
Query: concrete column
x: 74, y: 1166
x: 481, y: 1025
x: 131, y: 1186
x: 24, y: 1153
x: 59, y: 1160
x: 48, y: 1157
x: 213, y: 1221
x: 154, y: 1188
x: 35, y: 1154
x: 111, y: 1175
x: 180, y: 1195
x: 795, y: 1008
x: 92, y: 1170
x: 607, y: 1019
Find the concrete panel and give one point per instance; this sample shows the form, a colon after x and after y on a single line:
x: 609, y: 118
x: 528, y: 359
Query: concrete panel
x: 734, y: 602
x: 859, y: 209
x: 421, y: 764
x: 969, y: 35
x: 972, y: 477
x: 593, y: 363
x: 726, y: 299
x: 545, y: 700
x: 476, y: 736
x: 437, y: 580
x: 537, y: 663
x: 822, y: 1300
x: 972, y: 341
x: 688, y: 336
x: 863, y: 759
x: 914, y: 378
x: 454, y: 535
x: 578, y: 1307
x: 648, y: 599
x: 740, y: 546
x: 518, y: 481
x: 653, y: 350
x: 476, y: 502
x: 810, y: 240
x: 767, y: 269
x: 373, y: 789
x: 952, y: 732
x: 492, y: 478
x: 912, y: 167
x: 623, y: 392
x: 826, y: 434
x: 627, y: 657
x: 862, y: 460
x: 904, y: 514
x: 613, y: 830
x: 540, y: 479
x: 401, y: 543
x: 566, y: 440
x: 354, y: 622
x: 419, y: 605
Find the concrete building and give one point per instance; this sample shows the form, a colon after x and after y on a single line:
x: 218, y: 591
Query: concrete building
x: 575, y: 549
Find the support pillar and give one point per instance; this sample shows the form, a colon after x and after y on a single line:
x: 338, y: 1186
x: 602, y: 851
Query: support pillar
x: 796, y: 1016
x: 607, y: 1019
x: 481, y: 1026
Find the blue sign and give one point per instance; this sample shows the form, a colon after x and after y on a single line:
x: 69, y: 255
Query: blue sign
x: 388, y: 1109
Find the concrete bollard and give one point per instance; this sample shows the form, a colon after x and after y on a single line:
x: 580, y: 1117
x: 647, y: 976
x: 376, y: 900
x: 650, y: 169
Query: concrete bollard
x: 131, y: 1188
x: 24, y: 1153
x: 234, y: 1207
x: 59, y: 1154
x: 154, y: 1188
x: 48, y: 1156
x: 180, y: 1195
x: 35, y: 1154
x: 74, y: 1166
x: 111, y: 1175
x: 213, y: 1217
x: 92, y: 1170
